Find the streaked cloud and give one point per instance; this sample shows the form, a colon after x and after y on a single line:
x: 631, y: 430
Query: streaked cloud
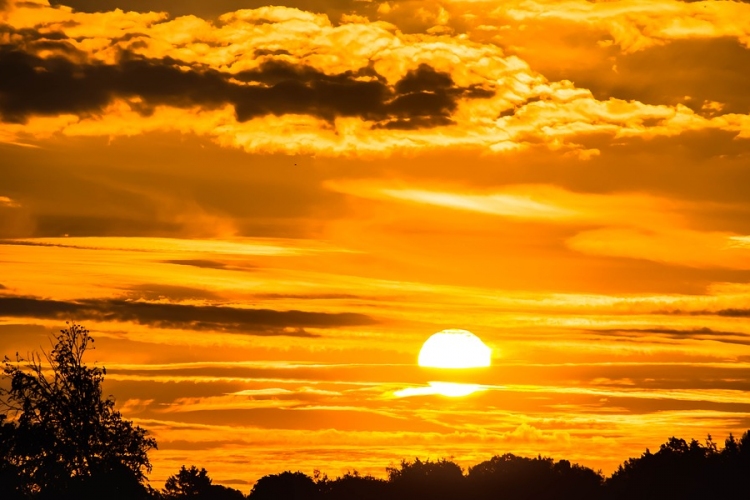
x: 191, y: 317
x: 8, y: 202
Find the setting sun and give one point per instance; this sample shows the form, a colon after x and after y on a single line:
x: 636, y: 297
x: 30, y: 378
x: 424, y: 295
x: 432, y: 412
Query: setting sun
x: 454, y: 349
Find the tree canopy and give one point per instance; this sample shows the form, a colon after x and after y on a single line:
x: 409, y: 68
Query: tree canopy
x: 64, y: 432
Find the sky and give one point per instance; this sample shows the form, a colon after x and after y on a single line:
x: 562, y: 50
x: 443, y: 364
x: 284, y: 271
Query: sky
x: 262, y: 212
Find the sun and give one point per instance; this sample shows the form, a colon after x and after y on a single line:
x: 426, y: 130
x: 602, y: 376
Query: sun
x: 454, y: 349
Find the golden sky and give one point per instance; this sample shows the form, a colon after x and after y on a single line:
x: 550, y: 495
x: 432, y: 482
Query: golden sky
x: 262, y: 212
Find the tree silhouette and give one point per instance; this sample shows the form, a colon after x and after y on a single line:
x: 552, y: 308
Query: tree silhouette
x: 10, y: 483
x: 353, y: 485
x: 532, y: 478
x: 439, y: 480
x: 285, y: 486
x: 187, y: 483
x: 195, y: 484
x: 684, y: 470
x: 65, y: 438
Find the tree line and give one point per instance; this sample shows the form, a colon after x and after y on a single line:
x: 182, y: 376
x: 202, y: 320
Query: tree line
x: 61, y: 439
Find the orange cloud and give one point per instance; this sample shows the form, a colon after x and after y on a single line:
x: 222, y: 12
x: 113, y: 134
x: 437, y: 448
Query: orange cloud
x: 492, y: 101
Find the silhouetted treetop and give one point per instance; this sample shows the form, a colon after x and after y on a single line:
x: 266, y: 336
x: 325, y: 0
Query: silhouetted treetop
x: 64, y: 432
x: 285, y: 486
x: 533, y: 478
x: 197, y: 485
x: 683, y: 470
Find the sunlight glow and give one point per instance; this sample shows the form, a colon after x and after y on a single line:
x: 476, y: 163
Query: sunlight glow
x: 449, y: 389
x: 454, y: 349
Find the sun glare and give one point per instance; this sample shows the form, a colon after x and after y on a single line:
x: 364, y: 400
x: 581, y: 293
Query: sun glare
x: 454, y: 349
x: 449, y: 389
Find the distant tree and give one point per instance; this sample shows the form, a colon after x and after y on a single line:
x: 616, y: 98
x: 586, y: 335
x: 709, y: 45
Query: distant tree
x: 352, y: 485
x: 285, y: 486
x: 187, y: 483
x: 65, y: 437
x: 678, y: 470
x: 439, y: 480
x: 195, y: 484
x: 220, y: 492
x: 538, y: 478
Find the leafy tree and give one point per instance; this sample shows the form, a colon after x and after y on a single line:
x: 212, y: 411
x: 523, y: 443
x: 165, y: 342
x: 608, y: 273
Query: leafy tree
x: 439, y: 480
x: 533, y: 478
x: 285, y: 486
x: 187, y: 483
x: 66, y: 438
x: 10, y: 484
x: 353, y: 485
x: 195, y: 484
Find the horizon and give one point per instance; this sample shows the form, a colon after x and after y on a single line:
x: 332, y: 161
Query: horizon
x: 262, y: 213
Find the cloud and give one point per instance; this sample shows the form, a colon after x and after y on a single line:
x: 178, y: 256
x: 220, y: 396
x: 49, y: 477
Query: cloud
x: 358, y: 88
x: 672, y: 245
x: 693, y: 72
x: 635, y: 25
x: 704, y: 333
x: 191, y: 317
x: 8, y: 202
x: 727, y: 313
x: 236, y: 246
x: 175, y: 293
x: 33, y: 85
x: 214, y: 8
x: 201, y: 263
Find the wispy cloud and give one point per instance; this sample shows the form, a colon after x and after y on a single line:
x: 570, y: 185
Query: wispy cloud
x: 8, y: 202
x: 192, y: 317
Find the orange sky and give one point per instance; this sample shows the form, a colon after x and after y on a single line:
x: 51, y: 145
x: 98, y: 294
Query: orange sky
x: 261, y: 213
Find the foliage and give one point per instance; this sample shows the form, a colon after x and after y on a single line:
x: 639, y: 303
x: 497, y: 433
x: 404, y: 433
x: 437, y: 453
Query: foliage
x: 195, y: 484
x: 441, y: 479
x: 538, y: 478
x: 65, y: 437
x: 285, y: 486
x: 187, y: 483
x: 353, y: 485
x: 684, y: 470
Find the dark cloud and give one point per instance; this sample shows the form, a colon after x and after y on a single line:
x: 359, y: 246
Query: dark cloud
x: 201, y: 263
x: 193, y: 317
x: 3, y: 287
x: 680, y: 334
x: 701, y: 69
x: 728, y: 313
x: 32, y: 85
x: 213, y: 9
x: 78, y: 225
